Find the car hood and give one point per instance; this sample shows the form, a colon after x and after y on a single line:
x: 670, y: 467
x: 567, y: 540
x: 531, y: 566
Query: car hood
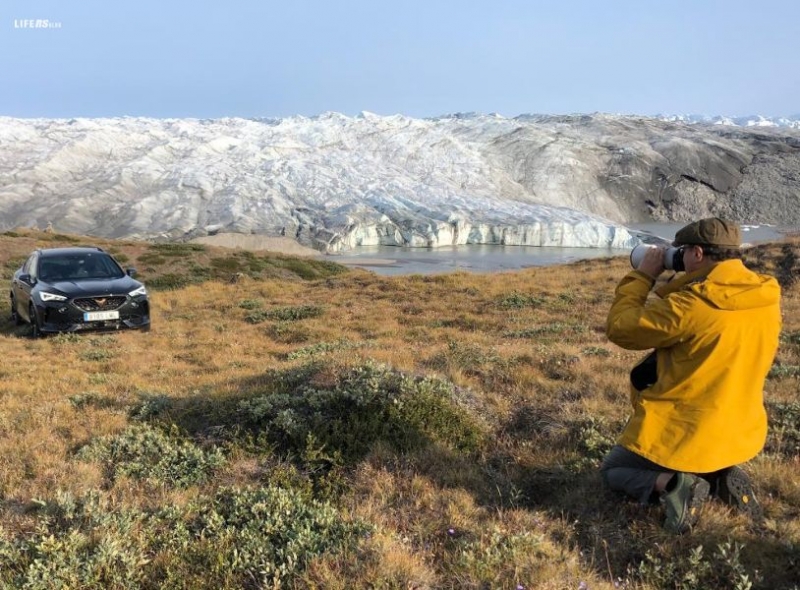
x: 91, y: 287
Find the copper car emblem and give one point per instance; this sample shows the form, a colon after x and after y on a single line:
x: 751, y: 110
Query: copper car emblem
x: 101, y: 302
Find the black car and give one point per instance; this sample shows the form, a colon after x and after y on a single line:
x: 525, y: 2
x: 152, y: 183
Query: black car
x: 75, y: 289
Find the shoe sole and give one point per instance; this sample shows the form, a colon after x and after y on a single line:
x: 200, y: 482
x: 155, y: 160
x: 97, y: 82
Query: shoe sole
x: 737, y: 491
x: 700, y: 493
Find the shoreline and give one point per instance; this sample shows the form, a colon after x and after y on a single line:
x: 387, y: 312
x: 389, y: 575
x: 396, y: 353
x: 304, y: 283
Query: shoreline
x: 393, y: 259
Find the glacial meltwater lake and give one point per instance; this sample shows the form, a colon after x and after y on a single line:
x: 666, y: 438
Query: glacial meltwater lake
x: 393, y: 260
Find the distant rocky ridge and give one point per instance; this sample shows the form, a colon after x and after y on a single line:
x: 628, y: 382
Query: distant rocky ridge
x: 335, y: 182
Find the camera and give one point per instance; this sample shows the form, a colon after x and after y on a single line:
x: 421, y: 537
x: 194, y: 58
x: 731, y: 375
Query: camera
x: 673, y: 257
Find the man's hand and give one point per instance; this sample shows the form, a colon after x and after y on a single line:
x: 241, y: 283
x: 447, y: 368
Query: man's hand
x: 652, y: 263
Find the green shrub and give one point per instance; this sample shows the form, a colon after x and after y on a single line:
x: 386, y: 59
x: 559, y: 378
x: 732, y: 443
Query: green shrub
x: 696, y: 570
x: 228, y: 264
x: 262, y: 538
x: 593, y: 438
x: 469, y: 357
x: 490, y: 559
x: 171, y: 281
x: 559, y: 366
x: 361, y: 406
x: 79, y: 544
x: 65, y: 338
x: 289, y: 332
x: 284, y: 314
x: 310, y: 269
x: 149, y: 406
x: 97, y: 354
x: 792, y: 338
x: 596, y: 351
x: 65, y: 238
x: 237, y: 538
x: 520, y: 301
x: 199, y: 272
x: 257, y: 316
x: 322, y: 348
x: 10, y: 267
x: 91, y: 399
x: 146, y: 453
x: 781, y: 371
x: 176, y: 248
x: 251, y: 304
x: 151, y: 258
x: 567, y: 298
x: 551, y: 329
x: 783, y: 436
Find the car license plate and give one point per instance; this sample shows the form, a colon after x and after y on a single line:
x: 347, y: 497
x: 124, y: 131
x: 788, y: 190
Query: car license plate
x: 99, y: 316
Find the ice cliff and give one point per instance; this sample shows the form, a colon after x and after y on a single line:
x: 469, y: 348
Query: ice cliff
x: 336, y: 182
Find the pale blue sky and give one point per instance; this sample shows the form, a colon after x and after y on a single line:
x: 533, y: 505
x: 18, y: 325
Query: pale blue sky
x: 251, y: 58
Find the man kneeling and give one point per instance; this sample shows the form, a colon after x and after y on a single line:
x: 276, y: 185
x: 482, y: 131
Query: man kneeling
x: 698, y: 408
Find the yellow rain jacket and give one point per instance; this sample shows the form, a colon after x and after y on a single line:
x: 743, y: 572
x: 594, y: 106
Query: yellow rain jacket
x: 715, y: 334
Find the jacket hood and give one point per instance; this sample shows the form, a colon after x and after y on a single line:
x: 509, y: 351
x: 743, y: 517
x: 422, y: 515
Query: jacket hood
x: 728, y: 285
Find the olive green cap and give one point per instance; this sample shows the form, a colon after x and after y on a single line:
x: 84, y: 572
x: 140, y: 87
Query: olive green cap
x: 710, y: 232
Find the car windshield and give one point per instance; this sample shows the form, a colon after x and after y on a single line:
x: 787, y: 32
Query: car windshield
x: 71, y: 267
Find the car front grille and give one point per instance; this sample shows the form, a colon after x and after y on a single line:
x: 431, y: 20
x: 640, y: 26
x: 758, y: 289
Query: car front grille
x: 99, y: 303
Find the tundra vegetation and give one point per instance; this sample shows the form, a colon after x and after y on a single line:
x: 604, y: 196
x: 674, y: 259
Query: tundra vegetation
x: 310, y: 426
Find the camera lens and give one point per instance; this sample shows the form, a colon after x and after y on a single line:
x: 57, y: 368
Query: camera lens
x: 673, y: 259
x: 637, y: 254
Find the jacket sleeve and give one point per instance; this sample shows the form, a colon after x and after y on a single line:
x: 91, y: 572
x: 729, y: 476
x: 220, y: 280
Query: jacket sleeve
x: 636, y: 324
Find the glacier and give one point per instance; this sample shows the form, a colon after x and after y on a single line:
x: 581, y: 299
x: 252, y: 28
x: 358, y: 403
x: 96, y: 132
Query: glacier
x: 337, y: 182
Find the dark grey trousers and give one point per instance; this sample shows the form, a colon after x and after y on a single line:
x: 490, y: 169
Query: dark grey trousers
x: 625, y: 471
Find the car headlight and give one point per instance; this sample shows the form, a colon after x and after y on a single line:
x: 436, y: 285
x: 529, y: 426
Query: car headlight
x: 45, y: 296
x: 140, y: 291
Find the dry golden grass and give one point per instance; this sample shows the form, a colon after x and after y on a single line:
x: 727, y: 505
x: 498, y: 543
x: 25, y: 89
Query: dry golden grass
x: 528, y: 355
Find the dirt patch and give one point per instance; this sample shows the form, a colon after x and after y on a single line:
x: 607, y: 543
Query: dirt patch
x: 257, y: 243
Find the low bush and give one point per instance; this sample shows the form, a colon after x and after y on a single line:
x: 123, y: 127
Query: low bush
x: 696, y: 570
x: 517, y: 300
x: 170, y: 281
x: 289, y: 332
x: 11, y: 266
x: 308, y: 269
x: 322, y: 348
x: 177, y: 248
x: 783, y: 436
x: 229, y: 264
x: 357, y: 408
x: 149, y: 406
x: 782, y: 371
x: 251, y: 304
x: 284, y: 314
x: 490, y: 559
x: 594, y: 438
x: 144, y: 452
x: 558, y: 329
x: 237, y: 538
x: 90, y: 399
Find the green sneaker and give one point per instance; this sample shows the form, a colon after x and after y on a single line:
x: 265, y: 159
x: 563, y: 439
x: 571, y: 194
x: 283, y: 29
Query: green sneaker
x: 733, y: 487
x: 682, y: 502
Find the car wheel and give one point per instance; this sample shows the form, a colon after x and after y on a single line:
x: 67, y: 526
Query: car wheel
x: 36, y: 331
x: 14, y: 315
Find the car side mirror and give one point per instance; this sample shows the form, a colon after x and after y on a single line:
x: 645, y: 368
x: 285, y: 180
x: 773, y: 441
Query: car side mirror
x: 131, y: 272
x: 26, y: 278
